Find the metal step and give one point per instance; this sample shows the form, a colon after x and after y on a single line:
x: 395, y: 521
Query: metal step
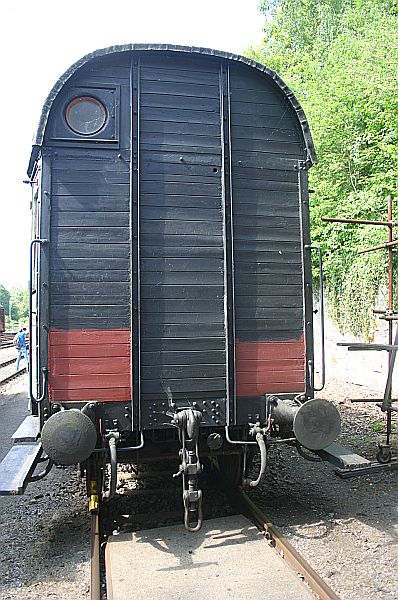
x: 28, y: 431
x: 343, y: 458
x: 17, y: 468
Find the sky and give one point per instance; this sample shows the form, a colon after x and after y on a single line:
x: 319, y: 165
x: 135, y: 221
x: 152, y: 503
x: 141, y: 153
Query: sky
x: 42, y: 39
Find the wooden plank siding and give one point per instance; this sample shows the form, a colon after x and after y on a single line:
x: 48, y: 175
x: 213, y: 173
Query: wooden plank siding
x: 269, y: 314
x: 90, y: 339
x: 89, y: 364
x: 181, y: 233
x: 141, y: 224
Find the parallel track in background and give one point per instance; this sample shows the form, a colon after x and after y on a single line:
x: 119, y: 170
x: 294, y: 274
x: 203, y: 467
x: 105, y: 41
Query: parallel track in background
x: 9, y: 378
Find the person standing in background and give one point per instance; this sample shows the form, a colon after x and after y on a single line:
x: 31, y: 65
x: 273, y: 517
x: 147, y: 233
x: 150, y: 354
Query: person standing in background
x: 20, y: 345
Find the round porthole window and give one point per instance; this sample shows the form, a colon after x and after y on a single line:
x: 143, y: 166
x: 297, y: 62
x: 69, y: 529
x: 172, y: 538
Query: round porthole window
x: 85, y: 115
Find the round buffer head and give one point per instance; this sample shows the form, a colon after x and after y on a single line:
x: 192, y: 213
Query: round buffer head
x: 68, y: 437
x: 316, y: 424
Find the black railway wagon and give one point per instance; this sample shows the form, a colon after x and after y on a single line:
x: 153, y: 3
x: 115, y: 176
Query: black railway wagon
x: 171, y: 267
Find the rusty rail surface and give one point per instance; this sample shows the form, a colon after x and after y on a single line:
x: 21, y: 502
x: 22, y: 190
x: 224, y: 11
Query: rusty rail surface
x: 12, y: 376
x: 285, y: 549
x: 8, y: 362
x: 95, y: 576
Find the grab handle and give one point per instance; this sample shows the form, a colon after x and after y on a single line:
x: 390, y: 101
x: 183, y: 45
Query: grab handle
x: 39, y: 242
x: 322, y: 316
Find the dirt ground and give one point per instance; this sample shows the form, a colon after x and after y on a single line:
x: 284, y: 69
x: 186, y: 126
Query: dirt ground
x: 347, y: 529
x: 44, y: 533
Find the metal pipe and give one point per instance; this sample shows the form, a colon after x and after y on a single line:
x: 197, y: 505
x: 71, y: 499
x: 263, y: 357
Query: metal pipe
x: 263, y: 462
x: 141, y: 445
x: 385, y: 245
x: 238, y: 442
x: 360, y: 221
x: 113, y: 452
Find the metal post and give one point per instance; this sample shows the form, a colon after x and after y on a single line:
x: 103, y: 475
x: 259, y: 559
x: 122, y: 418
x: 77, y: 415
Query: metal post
x: 387, y: 314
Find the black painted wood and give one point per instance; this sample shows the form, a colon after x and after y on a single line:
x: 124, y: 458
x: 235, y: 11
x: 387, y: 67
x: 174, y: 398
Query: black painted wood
x: 90, y: 189
x: 181, y: 228
x: 87, y: 264
x: 88, y: 322
x: 161, y: 278
x: 182, y: 256
x: 177, y: 213
x: 69, y: 175
x: 182, y: 344
x: 83, y: 250
x: 181, y: 252
x: 180, y: 183
x: 188, y: 291
x: 68, y: 298
x: 184, y: 305
x: 91, y: 288
x: 92, y: 204
x: 89, y: 218
x: 92, y: 235
x: 266, y: 147
x: 61, y: 312
x: 188, y: 372
x: 192, y: 357
x: 172, y: 318
x: 154, y: 73
x: 85, y: 276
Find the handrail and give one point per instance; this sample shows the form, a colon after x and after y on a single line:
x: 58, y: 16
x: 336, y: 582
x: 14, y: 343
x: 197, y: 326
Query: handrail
x: 38, y: 241
x: 322, y: 315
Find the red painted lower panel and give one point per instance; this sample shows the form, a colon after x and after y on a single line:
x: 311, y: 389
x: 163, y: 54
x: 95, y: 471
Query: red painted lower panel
x: 270, y: 367
x: 64, y: 351
x: 96, y: 365
x: 91, y: 337
x: 90, y: 365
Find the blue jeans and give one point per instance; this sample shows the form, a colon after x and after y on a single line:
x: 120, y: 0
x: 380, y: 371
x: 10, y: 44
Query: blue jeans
x: 22, y: 352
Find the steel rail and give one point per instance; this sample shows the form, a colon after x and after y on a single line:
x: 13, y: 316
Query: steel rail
x: 13, y: 376
x: 286, y: 550
x: 8, y: 362
x: 95, y: 577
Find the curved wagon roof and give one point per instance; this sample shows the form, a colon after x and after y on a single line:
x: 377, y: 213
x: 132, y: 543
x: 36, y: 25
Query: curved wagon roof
x: 39, y: 136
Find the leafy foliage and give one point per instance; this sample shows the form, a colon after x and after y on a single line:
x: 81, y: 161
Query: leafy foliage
x: 20, y: 305
x: 18, y: 300
x: 341, y: 59
x: 4, y: 298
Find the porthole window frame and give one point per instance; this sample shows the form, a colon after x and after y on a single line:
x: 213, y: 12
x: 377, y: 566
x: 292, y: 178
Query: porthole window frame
x: 95, y: 101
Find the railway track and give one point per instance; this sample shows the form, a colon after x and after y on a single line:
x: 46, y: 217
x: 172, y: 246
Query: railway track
x: 284, y: 548
x: 5, y: 375
x: 9, y: 378
x: 240, y: 504
x: 7, y: 361
x: 6, y: 345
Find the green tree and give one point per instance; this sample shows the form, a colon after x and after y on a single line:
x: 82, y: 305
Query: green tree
x: 19, y: 305
x: 340, y: 57
x: 4, y: 298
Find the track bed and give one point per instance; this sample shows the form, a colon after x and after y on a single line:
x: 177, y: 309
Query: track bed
x: 229, y: 557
